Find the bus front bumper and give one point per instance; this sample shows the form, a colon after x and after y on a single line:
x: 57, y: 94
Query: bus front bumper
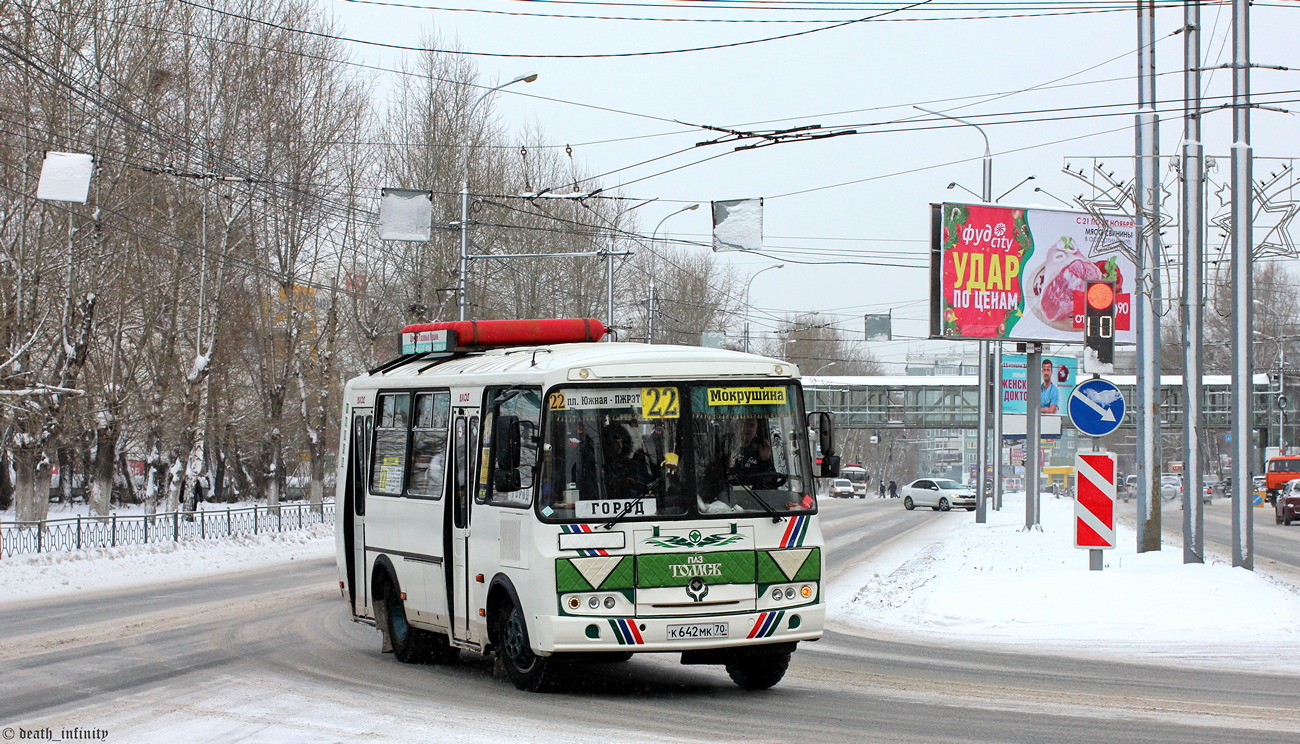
x: 667, y: 634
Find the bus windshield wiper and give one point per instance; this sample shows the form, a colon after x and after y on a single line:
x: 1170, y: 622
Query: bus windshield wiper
x: 623, y: 513
x: 766, y: 506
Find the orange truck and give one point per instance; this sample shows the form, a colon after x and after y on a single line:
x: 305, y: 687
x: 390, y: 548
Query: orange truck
x: 1277, y: 471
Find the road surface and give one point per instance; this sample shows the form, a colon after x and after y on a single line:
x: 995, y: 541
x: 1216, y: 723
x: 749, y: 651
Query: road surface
x: 272, y: 656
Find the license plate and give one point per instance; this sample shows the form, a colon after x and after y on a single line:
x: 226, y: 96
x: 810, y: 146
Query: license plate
x: 706, y: 630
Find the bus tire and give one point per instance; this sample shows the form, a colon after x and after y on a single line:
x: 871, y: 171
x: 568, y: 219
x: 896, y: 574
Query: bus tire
x: 758, y: 672
x: 526, y: 670
x: 410, y: 644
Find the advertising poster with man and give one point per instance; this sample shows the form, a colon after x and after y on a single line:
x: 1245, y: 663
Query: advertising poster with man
x: 1055, y: 378
x: 1019, y: 274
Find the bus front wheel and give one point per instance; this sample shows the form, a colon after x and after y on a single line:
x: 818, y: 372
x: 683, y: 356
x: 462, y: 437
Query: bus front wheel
x: 410, y: 645
x: 758, y: 672
x: 526, y: 670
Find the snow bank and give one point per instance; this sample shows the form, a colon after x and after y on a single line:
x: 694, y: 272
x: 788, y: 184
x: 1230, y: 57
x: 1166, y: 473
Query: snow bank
x: 44, y: 575
x: 962, y: 582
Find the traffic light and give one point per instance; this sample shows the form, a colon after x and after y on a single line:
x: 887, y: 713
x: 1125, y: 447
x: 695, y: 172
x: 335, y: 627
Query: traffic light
x: 1099, y: 320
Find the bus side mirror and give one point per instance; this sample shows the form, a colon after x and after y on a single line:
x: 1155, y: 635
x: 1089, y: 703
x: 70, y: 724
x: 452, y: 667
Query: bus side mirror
x: 830, y: 466
x: 822, y: 425
x: 505, y: 454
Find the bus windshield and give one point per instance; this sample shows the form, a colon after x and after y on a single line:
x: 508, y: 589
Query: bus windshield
x: 673, y: 451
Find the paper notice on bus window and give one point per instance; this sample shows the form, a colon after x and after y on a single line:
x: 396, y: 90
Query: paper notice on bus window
x: 611, y: 508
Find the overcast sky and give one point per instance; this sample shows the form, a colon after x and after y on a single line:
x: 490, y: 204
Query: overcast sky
x: 847, y: 215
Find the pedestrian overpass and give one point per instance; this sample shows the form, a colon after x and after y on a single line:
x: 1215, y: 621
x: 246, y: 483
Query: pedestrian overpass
x: 952, y: 402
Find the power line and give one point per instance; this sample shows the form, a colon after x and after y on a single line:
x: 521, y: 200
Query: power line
x: 408, y: 48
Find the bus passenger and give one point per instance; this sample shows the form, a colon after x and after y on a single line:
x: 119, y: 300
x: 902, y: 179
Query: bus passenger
x: 627, y: 475
x: 753, y: 465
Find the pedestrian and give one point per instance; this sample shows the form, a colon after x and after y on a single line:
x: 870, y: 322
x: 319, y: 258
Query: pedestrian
x: 882, y: 489
x: 893, y: 490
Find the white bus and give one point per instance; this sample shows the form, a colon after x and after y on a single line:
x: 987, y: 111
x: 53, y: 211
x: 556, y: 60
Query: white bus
x: 857, y: 475
x: 544, y: 500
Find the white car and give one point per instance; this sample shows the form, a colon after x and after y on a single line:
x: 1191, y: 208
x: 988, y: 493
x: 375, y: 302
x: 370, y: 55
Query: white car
x: 1171, y: 487
x: 939, y: 494
x: 842, y: 488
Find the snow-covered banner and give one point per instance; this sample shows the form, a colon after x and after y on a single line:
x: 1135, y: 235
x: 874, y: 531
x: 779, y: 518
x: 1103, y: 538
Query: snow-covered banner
x: 405, y: 215
x: 65, y: 176
x: 1018, y: 274
x: 738, y: 225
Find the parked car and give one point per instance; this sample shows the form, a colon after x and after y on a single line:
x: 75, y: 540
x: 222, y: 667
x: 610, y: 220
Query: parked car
x: 842, y: 488
x: 1286, y: 506
x: 939, y: 494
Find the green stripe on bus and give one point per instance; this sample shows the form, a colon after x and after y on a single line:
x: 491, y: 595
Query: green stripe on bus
x: 677, y: 569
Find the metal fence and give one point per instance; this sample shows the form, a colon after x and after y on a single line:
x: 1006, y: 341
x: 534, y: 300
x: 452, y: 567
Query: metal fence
x: 79, y: 533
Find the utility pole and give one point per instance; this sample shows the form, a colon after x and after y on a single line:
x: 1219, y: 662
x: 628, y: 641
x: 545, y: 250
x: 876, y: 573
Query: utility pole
x: 1193, y: 235
x: 462, y: 284
x: 1033, y: 437
x: 650, y: 313
x: 1146, y: 198
x: 1243, y: 537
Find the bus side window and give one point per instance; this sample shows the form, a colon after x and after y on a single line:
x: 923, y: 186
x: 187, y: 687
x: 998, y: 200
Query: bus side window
x: 388, y: 458
x: 429, y: 444
x: 460, y: 481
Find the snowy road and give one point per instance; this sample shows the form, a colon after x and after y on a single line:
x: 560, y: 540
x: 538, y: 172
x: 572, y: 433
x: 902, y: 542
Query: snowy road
x: 271, y: 656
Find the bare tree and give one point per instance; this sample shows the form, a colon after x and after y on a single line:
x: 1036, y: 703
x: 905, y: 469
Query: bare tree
x: 817, y: 345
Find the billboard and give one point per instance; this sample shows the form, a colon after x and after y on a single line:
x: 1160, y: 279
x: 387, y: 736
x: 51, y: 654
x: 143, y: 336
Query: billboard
x: 1018, y: 274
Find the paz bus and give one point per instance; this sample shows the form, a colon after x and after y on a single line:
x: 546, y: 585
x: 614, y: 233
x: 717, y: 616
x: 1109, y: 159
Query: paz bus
x: 512, y: 488
x: 857, y: 475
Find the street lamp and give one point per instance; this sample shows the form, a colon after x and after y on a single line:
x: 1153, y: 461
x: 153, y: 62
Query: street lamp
x: 1024, y: 181
x: 749, y: 284
x: 1041, y: 190
x: 461, y: 291
x: 988, y: 155
x: 981, y: 513
x: 650, y: 324
x: 828, y: 365
x: 955, y: 185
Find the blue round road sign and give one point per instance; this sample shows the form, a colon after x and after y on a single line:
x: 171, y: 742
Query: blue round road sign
x: 1096, y: 407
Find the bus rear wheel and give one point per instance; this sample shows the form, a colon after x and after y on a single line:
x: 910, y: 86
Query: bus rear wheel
x: 758, y: 672
x: 526, y: 670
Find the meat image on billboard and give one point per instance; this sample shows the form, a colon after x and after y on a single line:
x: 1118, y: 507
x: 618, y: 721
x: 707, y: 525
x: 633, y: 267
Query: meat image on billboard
x: 1019, y: 274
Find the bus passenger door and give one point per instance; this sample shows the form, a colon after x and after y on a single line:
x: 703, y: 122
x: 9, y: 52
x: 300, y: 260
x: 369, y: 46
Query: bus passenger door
x: 464, y: 473
x: 354, y: 522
